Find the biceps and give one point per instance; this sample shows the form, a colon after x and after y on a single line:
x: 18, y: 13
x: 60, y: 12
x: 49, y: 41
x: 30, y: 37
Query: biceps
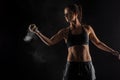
x: 94, y: 38
x: 56, y: 38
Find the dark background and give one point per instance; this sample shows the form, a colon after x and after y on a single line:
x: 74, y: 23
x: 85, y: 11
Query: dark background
x: 20, y: 60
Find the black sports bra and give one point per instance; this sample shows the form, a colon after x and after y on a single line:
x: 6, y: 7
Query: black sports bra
x: 77, y: 39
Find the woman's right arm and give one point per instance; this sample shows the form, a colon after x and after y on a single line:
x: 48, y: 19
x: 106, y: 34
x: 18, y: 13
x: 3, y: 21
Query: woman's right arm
x: 48, y: 41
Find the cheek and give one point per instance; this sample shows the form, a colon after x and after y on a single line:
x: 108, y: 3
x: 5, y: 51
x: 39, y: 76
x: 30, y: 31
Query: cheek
x: 74, y: 17
x: 70, y: 17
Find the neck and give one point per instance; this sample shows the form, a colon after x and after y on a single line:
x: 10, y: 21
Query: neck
x: 75, y: 24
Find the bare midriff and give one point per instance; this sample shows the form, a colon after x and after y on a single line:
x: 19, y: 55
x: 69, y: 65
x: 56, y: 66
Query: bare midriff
x: 79, y: 53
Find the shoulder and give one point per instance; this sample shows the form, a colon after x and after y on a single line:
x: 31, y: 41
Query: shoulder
x: 63, y: 30
x: 88, y: 27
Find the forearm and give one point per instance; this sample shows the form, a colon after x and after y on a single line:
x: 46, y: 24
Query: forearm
x: 104, y: 47
x: 100, y: 44
x: 46, y: 40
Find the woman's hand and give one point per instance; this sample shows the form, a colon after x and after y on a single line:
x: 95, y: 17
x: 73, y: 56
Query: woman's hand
x: 33, y: 28
x: 118, y: 56
x: 116, y: 53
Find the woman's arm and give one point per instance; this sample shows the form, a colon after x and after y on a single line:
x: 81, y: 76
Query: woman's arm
x: 100, y: 44
x: 48, y: 41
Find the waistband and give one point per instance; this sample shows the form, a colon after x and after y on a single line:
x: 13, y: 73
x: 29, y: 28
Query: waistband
x: 80, y: 62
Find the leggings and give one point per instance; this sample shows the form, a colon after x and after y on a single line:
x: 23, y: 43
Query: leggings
x: 79, y: 71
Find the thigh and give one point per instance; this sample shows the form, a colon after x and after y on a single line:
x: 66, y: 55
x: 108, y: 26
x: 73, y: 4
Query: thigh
x: 87, y: 72
x: 71, y: 71
x: 81, y: 71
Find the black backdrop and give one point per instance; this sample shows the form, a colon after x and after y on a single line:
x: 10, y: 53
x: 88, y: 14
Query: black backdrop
x: 20, y: 60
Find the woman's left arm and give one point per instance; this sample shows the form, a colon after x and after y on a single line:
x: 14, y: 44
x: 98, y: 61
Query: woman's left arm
x: 100, y: 44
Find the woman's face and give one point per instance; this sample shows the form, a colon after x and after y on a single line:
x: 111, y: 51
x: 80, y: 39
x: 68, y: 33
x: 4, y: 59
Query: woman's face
x: 69, y: 15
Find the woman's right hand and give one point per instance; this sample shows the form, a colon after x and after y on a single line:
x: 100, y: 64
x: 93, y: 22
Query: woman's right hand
x: 33, y: 28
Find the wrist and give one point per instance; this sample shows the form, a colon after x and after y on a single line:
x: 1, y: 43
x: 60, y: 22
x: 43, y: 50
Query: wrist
x: 116, y: 53
x: 37, y: 31
x: 112, y: 51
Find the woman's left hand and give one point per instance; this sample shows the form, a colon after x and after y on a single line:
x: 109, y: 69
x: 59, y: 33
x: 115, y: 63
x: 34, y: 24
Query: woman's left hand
x: 116, y: 53
x: 119, y: 56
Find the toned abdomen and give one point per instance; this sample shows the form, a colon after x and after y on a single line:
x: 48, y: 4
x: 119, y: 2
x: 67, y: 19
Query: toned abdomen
x: 79, y: 53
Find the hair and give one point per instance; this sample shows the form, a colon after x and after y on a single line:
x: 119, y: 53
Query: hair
x: 77, y: 9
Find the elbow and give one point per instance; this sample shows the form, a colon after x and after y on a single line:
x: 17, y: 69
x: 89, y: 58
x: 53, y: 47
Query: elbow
x: 50, y: 44
x: 98, y: 44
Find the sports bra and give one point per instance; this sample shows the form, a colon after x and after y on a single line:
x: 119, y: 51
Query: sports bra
x: 77, y: 39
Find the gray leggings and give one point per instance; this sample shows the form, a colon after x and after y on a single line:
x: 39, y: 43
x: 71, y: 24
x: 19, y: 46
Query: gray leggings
x: 79, y: 71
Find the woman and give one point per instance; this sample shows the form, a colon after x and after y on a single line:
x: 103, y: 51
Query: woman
x: 79, y: 63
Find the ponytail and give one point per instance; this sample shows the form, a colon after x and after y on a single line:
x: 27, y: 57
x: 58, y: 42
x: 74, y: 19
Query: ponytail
x: 79, y: 11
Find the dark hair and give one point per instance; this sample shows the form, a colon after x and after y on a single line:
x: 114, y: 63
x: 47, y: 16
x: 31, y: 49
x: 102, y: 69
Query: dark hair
x: 77, y: 9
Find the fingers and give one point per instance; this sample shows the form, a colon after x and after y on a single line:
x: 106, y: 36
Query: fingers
x: 32, y: 27
x: 118, y: 56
